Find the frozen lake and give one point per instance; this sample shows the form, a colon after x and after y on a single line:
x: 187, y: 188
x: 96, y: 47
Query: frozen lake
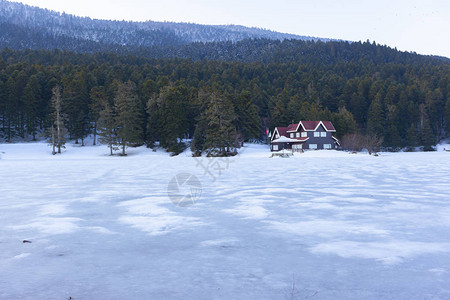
x: 321, y: 225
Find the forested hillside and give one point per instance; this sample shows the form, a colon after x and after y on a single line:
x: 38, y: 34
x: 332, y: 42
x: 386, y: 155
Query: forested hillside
x: 361, y: 87
x: 25, y: 27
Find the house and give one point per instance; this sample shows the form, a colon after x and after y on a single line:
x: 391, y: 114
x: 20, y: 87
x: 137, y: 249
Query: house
x: 303, y: 136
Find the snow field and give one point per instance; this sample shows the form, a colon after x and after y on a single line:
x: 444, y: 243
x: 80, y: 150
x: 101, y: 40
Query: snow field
x: 341, y: 226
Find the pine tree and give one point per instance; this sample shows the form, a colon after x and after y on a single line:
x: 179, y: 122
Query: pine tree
x: 277, y: 110
x: 129, y: 115
x: 98, y: 100
x: 153, y: 122
x: 168, y: 117
x: 344, y: 122
x: 447, y: 115
x: 107, y: 126
x: 412, y: 139
x: 76, y: 106
x: 31, y: 99
x: 394, y: 141
x: 427, y: 137
x: 248, y: 122
x: 220, y: 135
x: 57, y: 129
x: 375, y: 118
x: 198, y: 141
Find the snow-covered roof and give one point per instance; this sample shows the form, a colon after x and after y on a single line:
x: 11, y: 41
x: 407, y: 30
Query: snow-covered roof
x: 283, y: 139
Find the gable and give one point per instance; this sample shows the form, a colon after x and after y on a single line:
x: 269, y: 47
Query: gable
x: 314, y: 125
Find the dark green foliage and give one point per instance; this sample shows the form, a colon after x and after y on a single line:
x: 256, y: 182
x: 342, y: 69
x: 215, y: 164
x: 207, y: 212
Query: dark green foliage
x: 198, y: 140
x: 107, y: 126
x: 32, y: 105
x: 168, y: 114
x: 247, y: 118
x: 57, y: 131
x: 447, y: 115
x: 393, y: 138
x: 375, y: 118
x: 427, y: 137
x: 383, y: 91
x: 412, y: 138
x: 221, y: 136
x: 344, y: 122
x: 129, y: 116
x: 98, y: 99
x: 76, y: 105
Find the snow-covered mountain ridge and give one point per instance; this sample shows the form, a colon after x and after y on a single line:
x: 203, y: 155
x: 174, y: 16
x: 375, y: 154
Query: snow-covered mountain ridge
x: 19, y: 20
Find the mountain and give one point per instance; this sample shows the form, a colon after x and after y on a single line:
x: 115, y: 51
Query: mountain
x: 23, y: 26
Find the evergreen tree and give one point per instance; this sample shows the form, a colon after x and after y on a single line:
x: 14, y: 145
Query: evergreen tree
x: 412, y: 139
x: 427, y: 137
x: 98, y: 100
x: 198, y: 141
x: 344, y: 122
x: 76, y: 106
x: 57, y: 129
x: 153, y: 122
x: 394, y: 141
x: 447, y: 115
x: 32, y: 102
x: 168, y: 116
x: 248, y: 121
x: 107, y: 126
x: 12, y: 101
x: 129, y: 115
x: 277, y: 110
x: 375, y: 118
x: 221, y: 137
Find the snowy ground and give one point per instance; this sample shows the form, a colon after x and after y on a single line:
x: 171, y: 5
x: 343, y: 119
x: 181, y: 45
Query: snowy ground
x: 321, y: 225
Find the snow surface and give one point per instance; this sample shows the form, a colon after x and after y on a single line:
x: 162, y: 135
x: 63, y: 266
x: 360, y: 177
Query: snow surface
x: 339, y: 225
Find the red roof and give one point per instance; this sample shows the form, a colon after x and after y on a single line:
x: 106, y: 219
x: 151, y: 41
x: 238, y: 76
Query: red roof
x: 312, y: 125
x: 282, y: 130
x: 306, y: 125
x: 328, y: 125
x: 292, y: 127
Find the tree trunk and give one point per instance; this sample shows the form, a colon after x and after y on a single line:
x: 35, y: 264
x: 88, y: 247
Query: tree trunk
x: 53, y: 141
x: 95, y: 133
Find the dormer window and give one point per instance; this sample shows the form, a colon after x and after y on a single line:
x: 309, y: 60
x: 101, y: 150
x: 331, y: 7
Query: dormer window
x: 292, y: 135
x: 304, y: 134
x: 297, y: 134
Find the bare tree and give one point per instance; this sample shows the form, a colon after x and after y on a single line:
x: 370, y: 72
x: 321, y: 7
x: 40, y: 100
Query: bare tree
x: 373, y: 143
x: 352, y: 142
x: 357, y: 142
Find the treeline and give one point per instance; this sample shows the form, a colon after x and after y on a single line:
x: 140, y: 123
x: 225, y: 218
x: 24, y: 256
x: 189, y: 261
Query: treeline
x: 220, y: 104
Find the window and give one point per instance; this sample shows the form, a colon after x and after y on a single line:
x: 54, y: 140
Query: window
x: 323, y: 134
x: 312, y: 146
x: 297, y: 134
x: 326, y: 146
x: 304, y: 134
x: 297, y: 146
x: 292, y: 135
x: 275, y: 147
x: 316, y: 134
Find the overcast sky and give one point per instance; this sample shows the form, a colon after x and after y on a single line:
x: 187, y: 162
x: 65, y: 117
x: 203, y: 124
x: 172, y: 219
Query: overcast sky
x: 422, y: 26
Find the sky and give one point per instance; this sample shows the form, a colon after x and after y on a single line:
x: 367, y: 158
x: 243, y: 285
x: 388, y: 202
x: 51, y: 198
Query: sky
x: 422, y: 26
